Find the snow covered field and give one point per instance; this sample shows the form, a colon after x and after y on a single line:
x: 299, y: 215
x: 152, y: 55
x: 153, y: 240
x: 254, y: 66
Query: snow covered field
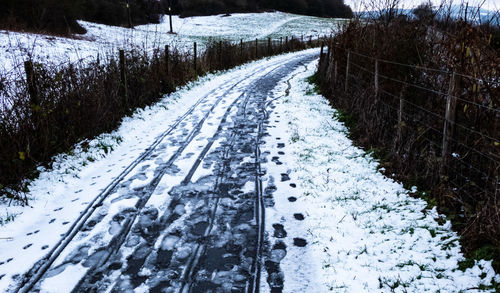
x: 106, y: 40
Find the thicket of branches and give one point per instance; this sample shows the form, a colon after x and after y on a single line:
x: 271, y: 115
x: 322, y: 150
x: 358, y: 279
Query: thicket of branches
x: 59, y: 16
x: 416, y: 59
x: 327, y: 8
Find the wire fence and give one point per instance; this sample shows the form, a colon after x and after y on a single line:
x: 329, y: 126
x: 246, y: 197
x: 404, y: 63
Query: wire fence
x: 455, y: 116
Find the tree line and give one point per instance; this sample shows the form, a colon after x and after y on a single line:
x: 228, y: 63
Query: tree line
x: 325, y: 8
x: 59, y: 16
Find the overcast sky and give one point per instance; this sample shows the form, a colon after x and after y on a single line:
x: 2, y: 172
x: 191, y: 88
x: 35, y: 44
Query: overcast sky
x: 487, y: 4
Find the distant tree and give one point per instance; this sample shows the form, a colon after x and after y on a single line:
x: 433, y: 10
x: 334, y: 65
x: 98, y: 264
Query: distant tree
x: 316, y: 7
x: 424, y: 11
x: 114, y: 12
x: 57, y: 16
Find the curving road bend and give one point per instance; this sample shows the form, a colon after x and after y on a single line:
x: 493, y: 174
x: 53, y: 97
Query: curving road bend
x: 188, y: 214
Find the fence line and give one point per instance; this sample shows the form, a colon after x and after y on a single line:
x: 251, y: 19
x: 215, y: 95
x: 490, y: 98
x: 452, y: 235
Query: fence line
x: 477, y: 159
x: 419, y: 67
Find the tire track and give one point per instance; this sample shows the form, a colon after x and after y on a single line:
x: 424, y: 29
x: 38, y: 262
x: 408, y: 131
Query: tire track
x: 163, y: 225
x: 188, y: 271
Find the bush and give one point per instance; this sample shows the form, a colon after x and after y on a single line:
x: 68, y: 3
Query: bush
x: 415, y: 62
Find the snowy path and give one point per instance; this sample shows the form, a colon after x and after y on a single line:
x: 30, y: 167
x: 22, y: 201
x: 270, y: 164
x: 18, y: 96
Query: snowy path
x: 242, y: 184
x: 184, y: 209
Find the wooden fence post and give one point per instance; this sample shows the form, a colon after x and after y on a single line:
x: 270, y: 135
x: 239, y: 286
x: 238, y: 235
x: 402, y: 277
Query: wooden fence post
x: 328, y: 54
x: 281, y: 44
x: 321, y: 53
x: 376, y: 79
x: 256, y: 48
x: 269, y: 46
x: 32, y: 89
x: 310, y: 40
x: 449, y: 123
x: 347, y: 72
x: 286, y: 43
x: 194, y: 59
x: 167, y: 57
x: 241, y: 50
x: 335, y: 72
x: 123, y: 78
x: 400, y: 113
x: 219, y: 53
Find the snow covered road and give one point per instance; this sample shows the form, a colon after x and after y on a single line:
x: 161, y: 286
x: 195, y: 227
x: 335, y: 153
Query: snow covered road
x: 245, y: 183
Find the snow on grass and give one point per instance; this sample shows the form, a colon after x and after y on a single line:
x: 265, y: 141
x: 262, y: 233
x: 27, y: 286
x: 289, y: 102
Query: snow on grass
x: 106, y: 40
x: 365, y: 233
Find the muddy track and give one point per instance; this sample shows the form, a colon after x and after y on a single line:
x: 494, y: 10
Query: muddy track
x: 153, y: 261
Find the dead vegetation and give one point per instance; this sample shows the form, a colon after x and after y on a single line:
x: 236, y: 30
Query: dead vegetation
x: 424, y: 93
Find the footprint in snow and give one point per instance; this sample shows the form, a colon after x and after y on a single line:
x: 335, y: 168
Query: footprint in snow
x: 284, y: 177
x: 298, y: 216
x: 292, y: 199
x: 300, y: 242
x: 276, y: 160
x: 279, y: 231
